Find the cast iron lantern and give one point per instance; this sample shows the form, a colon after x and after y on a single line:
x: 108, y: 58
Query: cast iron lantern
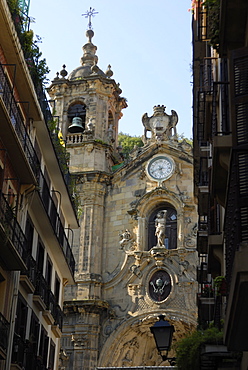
x: 163, y: 332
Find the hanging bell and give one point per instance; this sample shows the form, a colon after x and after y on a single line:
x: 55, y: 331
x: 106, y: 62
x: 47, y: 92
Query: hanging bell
x: 76, y: 126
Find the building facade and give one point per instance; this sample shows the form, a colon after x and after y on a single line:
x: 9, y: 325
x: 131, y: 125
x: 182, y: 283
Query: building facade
x: 135, y: 250
x: 36, y: 213
x: 220, y: 66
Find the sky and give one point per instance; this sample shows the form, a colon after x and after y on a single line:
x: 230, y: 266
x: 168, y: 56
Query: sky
x: 147, y: 43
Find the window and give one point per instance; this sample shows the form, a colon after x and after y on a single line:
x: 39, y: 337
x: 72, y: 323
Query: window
x: 170, y: 240
x: 49, y: 272
x: 57, y: 289
x: 21, y: 317
x: 43, y: 347
x: 29, y: 232
x: 40, y: 257
x: 34, y: 334
x: 51, y: 356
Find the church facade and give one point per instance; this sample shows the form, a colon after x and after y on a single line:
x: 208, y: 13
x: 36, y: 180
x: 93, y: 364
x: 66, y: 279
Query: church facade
x: 135, y: 250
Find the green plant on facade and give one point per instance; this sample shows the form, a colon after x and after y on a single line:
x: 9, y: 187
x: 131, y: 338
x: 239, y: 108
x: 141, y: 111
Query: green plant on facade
x: 32, y: 54
x: 188, y: 349
x: 213, y: 21
x: 220, y: 285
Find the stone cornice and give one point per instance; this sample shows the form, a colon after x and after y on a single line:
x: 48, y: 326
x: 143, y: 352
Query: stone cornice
x: 85, y: 305
x: 93, y: 176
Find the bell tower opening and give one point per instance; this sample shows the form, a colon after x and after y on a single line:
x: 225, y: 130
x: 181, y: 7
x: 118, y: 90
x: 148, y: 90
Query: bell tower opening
x: 76, y: 116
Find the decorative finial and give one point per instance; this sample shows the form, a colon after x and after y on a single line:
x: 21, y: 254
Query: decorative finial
x: 109, y: 73
x: 90, y: 13
x: 57, y: 76
x: 63, y: 72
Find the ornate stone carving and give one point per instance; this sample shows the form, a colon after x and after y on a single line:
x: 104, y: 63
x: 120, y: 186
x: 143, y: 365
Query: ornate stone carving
x: 191, y: 237
x: 162, y: 125
x: 159, y: 286
x: 79, y: 340
x: 126, y: 242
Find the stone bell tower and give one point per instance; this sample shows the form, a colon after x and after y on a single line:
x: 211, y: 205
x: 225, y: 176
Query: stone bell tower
x: 89, y: 105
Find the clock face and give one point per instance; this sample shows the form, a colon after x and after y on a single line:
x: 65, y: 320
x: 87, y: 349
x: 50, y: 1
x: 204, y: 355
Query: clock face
x: 160, y: 168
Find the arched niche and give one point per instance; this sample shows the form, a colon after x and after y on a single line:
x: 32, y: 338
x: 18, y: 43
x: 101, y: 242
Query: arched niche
x: 132, y: 343
x: 170, y: 240
x: 148, y: 206
x: 76, y: 109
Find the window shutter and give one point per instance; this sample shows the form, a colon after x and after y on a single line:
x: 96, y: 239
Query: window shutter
x: 239, y: 106
x: 239, y: 95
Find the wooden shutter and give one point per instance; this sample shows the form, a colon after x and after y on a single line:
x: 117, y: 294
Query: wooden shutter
x: 239, y: 95
x: 239, y: 109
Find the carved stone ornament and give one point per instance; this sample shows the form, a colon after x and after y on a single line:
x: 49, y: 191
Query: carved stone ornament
x: 159, y: 286
x: 126, y: 242
x: 162, y: 125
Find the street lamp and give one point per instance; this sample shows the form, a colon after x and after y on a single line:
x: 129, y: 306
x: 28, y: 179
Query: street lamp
x: 163, y: 332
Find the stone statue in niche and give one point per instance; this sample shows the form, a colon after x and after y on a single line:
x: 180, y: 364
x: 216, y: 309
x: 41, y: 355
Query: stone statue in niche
x: 110, y: 134
x: 160, y: 226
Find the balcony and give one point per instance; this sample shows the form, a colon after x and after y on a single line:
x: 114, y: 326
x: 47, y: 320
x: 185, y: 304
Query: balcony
x: 4, y: 335
x: 202, y: 273
x: 22, y: 153
x: 203, y: 117
x: 13, y: 240
x: 221, y: 156
x: 18, y: 354
x: 51, y: 218
x: 40, y: 297
x: 46, y: 302
x: 203, y: 175
x: 14, y: 133
x: 55, y: 310
x: 202, y: 243
x: 24, y: 355
x: 236, y: 232
x: 28, y: 277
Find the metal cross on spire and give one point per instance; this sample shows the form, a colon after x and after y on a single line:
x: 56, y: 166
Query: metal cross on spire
x: 90, y: 13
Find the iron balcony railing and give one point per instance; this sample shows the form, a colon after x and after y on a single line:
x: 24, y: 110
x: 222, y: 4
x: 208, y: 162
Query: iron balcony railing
x: 17, y: 122
x: 18, y: 353
x: 42, y: 289
x: 11, y: 226
x: 206, y: 75
x: 214, y: 218
x: 48, y: 117
x: 203, y: 172
x: 4, y: 332
x: 236, y: 215
x: 220, y: 92
x: 201, y: 21
x: 44, y: 191
x: 25, y: 356
x: 31, y: 271
x: 55, y: 309
x: 55, y: 221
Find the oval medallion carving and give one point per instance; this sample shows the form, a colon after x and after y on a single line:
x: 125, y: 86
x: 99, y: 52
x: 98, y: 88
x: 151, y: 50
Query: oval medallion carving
x: 159, y: 286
